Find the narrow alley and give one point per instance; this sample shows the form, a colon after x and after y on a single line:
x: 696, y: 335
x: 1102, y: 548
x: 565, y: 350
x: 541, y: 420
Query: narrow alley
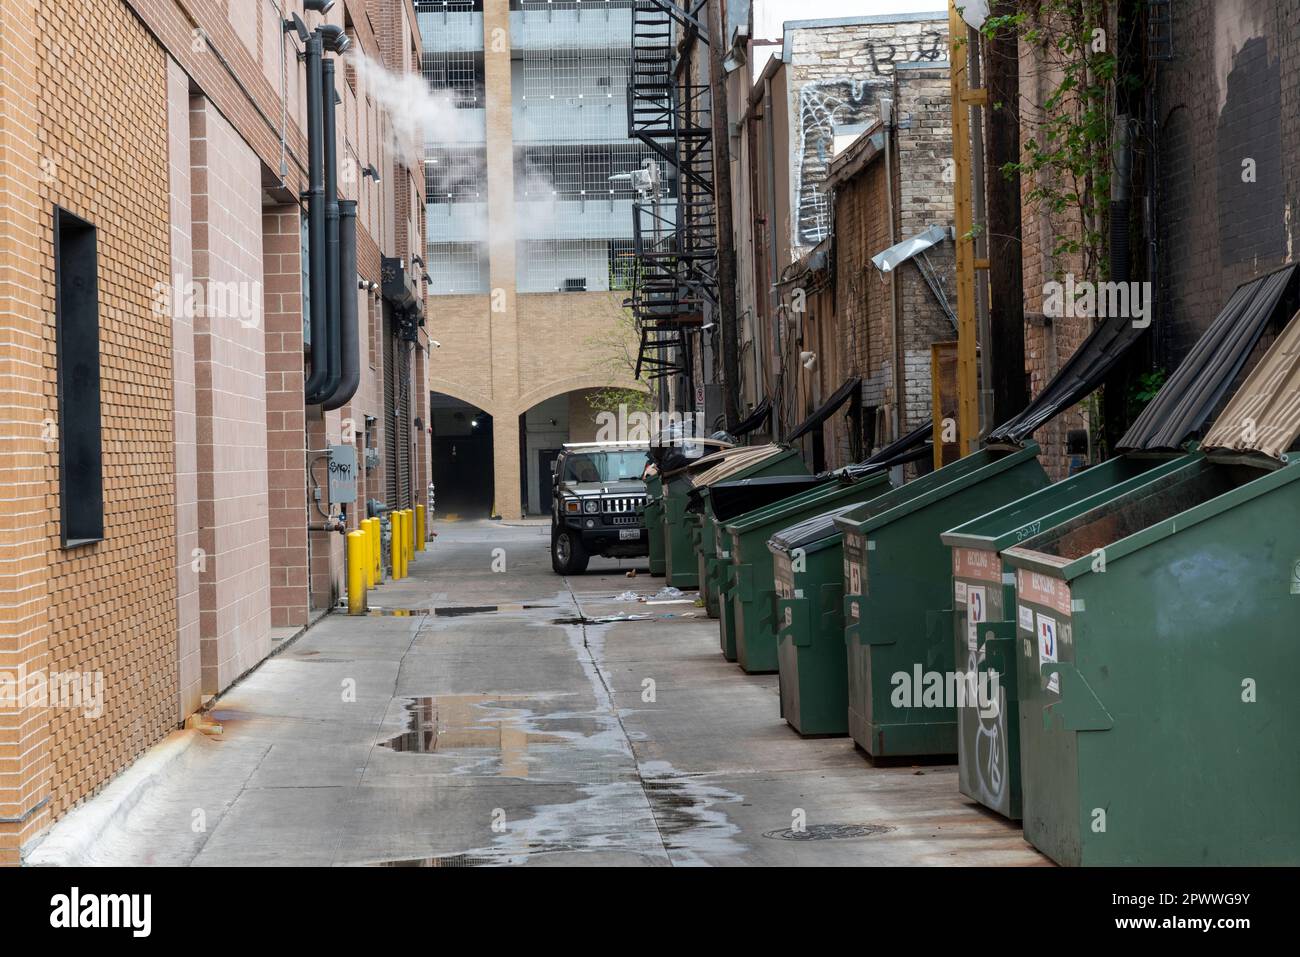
x: 502, y: 718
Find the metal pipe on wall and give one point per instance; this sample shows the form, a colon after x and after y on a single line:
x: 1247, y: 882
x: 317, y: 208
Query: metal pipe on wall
x: 349, y: 339
x: 315, y: 385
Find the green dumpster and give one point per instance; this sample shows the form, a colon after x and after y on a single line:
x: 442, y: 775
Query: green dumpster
x: 726, y: 499
x: 898, y: 598
x: 984, y: 619
x: 807, y: 565
x: 1157, y: 666
x: 750, y: 587
x: 653, y: 517
x: 680, y: 559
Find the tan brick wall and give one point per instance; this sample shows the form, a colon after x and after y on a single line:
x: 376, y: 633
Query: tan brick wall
x: 230, y: 398
x: 102, y: 97
x: 286, y: 421
x: 186, y: 443
x: 25, y: 493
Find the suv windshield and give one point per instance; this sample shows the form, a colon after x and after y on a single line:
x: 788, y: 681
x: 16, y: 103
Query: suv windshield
x: 604, y: 466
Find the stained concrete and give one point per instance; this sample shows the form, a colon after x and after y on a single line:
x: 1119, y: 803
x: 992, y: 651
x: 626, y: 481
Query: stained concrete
x: 536, y: 744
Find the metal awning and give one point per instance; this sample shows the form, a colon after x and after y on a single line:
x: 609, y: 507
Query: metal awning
x: 1264, y: 415
x: 1189, y: 398
x: 827, y: 408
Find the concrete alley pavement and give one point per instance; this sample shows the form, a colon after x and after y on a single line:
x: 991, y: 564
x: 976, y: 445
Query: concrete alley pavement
x: 509, y: 719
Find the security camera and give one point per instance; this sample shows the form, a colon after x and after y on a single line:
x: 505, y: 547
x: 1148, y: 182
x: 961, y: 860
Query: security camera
x: 435, y: 343
x: 809, y: 359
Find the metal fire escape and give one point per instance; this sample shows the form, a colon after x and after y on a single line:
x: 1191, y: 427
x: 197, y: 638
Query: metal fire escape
x: 674, y: 218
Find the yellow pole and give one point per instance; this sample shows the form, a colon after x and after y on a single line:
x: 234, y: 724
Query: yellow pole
x: 395, y: 520
x: 376, y: 548
x: 968, y: 419
x: 419, y: 528
x: 408, y: 529
x: 358, y: 556
x: 369, y: 541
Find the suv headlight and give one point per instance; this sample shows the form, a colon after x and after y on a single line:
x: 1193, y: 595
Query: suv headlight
x: 571, y: 506
x: 591, y: 506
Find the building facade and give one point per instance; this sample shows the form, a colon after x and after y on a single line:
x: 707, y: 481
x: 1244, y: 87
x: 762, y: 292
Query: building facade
x: 527, y: 184
x: 168, y: 518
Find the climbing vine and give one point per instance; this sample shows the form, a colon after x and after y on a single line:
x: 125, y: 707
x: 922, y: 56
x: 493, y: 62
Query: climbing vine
x: 1066, y: 143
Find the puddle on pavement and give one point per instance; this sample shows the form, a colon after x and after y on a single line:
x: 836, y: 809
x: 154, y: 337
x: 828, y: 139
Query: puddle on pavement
x: 606, y: 620
x: 397, y: 612
x: 454, y: 721
x: 455, y: 611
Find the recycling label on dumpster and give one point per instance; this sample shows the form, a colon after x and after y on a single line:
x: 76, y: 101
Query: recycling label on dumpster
x: 1047, y: 649
x: 976, y: 612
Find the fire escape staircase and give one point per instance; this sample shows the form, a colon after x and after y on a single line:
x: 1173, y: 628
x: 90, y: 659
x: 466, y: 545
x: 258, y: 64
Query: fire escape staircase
x: 674, y: 233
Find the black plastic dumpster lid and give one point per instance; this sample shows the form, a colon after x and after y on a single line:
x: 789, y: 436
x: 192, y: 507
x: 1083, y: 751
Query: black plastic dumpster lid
x: 810, y: 530
x: 827, y: 408
x: 1081, y: 374
x: 1183, y: 407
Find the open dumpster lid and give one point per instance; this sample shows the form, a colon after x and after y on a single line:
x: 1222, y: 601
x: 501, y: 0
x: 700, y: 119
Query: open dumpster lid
x: 1184, y: 405
x: 1264, y: 415
x: 762, y: 412
x: 827, y: 408
x: 1082, y: 373
x: 738, y: 496
x: 737, y: 460
x: 810, y: 529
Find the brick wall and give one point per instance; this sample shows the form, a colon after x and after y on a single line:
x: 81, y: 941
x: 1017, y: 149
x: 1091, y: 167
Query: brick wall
x: 230, y: 382
x: 186, y: 441
x: 101, y: 95
x: 286, y: 421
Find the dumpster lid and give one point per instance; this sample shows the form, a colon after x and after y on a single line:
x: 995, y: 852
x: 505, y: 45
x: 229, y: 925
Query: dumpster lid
x: 738, y: 496
x: 827, y: 408
x: 1264, y: 415
x: 682, y: 465
x: 738, y: 461
x: 1184, y: 405
x: 809, y: 530
x: 924, y: 491
x: 1083, y: 372
x: 762, y: 412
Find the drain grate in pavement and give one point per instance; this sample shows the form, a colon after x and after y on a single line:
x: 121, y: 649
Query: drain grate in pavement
x: 828, y: 832
x: 448, y: 860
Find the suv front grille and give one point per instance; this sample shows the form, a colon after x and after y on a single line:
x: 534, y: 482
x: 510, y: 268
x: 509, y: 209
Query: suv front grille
x: 622, y: 504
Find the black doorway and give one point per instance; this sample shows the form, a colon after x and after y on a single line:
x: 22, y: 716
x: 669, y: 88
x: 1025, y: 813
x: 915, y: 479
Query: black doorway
x: 461, y: 449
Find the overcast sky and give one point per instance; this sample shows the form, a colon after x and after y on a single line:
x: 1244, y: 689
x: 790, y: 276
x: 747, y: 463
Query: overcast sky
x: 770, y: 14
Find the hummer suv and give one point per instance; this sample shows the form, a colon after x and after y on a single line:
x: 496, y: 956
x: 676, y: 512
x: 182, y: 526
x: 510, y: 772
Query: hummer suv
x: 597, y: 495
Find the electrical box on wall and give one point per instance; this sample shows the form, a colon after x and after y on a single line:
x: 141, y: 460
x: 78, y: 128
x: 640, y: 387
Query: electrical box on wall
x: 343, y: 474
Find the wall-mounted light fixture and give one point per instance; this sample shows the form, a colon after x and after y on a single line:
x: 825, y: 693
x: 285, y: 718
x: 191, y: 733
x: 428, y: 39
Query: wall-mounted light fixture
x: 372, y: 173
x: 317, y: 6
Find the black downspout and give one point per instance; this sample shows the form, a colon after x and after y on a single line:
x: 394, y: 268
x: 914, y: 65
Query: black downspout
x: 315, y: 384
x: 330, y: 129
x: 350, y: 345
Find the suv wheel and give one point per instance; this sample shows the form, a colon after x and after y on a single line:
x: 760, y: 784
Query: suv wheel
x: 568, y: 557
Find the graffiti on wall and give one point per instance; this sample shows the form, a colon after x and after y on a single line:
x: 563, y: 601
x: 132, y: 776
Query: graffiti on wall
x: 831, y: 105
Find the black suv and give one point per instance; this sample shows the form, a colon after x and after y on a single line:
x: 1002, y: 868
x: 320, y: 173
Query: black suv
x: 597, y: 495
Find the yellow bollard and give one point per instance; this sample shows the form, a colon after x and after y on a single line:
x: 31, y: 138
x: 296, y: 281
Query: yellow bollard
x: 358, y: 555
x: 419, y: 528
x: 376, y: 548
x: 398, y: 549
x: 368, y: 558
x: 408, y: 529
